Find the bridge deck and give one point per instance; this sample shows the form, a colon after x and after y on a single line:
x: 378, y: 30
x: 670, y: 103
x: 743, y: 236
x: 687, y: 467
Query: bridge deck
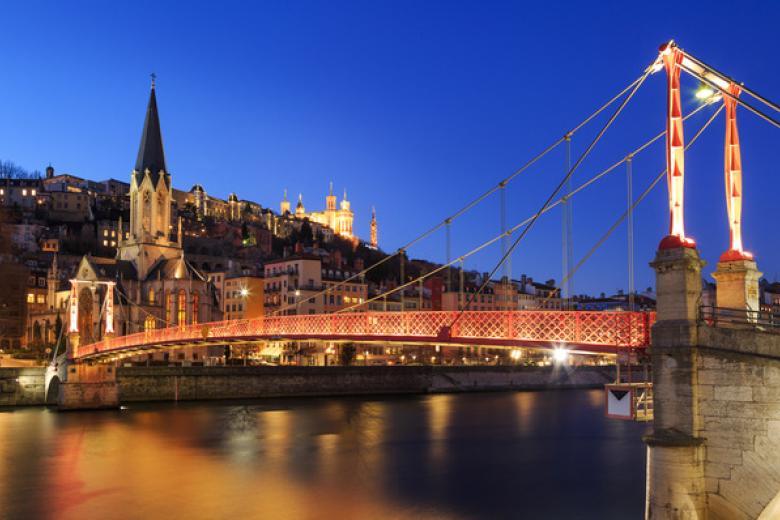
x: 583, y: 330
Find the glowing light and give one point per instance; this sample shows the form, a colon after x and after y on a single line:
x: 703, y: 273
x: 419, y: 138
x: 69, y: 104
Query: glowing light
x: 707, y: 94
x: 244, y: 292
x: 560, y: 355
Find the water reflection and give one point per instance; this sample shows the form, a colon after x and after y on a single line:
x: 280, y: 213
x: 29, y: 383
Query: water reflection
x: 503, y: 455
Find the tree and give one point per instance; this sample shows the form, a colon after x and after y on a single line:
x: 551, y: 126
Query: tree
x: 306, y: 236
x: 347, y: 354
x: 10, y: 170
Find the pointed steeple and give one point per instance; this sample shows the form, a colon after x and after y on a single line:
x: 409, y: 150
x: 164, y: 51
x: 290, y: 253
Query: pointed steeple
x: 150, y: 154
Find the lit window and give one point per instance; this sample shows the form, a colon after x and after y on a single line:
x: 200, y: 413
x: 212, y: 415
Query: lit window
x: 105, y: 232
x: 113, y: 233
x: 149, y: 323
x: 33, y: 193
x: 24, y: 193
x: 105, y: 242
x: 41, y: 298
x: 195, y: 307
x: 181, y: 315
x: 113, y: 243
x: 2, y: 191
x: 30, y: 298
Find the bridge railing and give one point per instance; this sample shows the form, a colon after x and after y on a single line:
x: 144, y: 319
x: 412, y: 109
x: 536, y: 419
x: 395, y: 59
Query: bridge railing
x: 724, y: 316
x: 618, y: 329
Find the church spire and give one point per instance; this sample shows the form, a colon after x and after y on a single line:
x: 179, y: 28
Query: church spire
x: 150, y: 154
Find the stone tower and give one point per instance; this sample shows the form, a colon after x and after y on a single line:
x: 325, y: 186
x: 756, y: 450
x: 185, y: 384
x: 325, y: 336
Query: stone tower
x: 150, y: 199
x: 374, y: 230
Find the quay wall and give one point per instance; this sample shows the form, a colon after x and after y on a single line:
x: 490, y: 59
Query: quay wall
x: 22, y: 386
x: 204, y: 383
x: 25, y: 386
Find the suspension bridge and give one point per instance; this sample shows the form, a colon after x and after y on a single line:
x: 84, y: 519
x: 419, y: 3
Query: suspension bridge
x: 713, y: 451
x: 586, y: 332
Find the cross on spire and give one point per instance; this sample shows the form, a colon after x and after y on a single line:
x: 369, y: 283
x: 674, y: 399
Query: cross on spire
x: 154, y: 78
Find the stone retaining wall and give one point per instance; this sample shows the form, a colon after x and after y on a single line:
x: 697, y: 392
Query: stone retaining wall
x: 22, y: 386
x: 201, y: 383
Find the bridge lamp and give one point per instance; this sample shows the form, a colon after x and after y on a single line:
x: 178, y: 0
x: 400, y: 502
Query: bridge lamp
x: 560, y: 355
x: 707, y: 94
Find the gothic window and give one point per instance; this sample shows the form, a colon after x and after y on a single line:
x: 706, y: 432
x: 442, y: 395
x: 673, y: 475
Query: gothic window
x: 181, y: 315
x: 195, y: 307
x: 169, y: 309
x: 147, y: 212
x: 151, y: 295
x: 149, y: 323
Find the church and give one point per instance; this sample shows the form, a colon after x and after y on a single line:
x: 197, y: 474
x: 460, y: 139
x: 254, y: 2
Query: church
x: 153, y: 284
x: 338, y: 219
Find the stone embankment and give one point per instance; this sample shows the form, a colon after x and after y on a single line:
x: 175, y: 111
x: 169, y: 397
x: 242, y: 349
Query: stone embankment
x: 20, y: 387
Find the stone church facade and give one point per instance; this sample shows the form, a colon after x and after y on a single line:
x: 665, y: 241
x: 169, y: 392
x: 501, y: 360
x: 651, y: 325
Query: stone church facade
x: 153, y: 284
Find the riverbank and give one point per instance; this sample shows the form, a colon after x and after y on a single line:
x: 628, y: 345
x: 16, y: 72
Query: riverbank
x: 25, y: 386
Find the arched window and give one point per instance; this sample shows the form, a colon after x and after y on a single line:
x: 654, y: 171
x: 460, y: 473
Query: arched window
x: 181, y: 315
x: 151, y: 295
x: 168, y: 309
x: 195, y: 307
x: 149, y: 323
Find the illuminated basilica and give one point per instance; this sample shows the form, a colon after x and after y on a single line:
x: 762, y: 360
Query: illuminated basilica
x: 339, y: 219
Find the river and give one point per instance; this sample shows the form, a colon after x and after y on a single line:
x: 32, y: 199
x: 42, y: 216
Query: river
x: 534, y: 455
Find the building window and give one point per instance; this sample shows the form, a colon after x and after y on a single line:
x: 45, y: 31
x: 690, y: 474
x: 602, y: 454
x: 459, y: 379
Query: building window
x: 24, y: 193
x: 105, y: 243
x: 169, y: 308
x: 41, y: 298
x: 33, y: 193
x: 181, y: 315
x: 150, y: 323
x: 151, y: 295
x: 195, y: 307
x: 105, y: 232
x: 30, y: 298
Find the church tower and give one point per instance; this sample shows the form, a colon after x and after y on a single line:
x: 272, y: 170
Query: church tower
x: 150, y: 199
x: 345, y: 218
x: 330, y: 209
x: 374, y: 230
x: 284, y: 207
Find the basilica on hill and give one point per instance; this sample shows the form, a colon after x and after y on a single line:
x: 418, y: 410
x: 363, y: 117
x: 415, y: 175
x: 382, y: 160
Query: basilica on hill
x: 338, y: 219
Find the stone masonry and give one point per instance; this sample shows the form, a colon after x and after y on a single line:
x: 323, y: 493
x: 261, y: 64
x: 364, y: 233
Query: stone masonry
x: 714, y: 452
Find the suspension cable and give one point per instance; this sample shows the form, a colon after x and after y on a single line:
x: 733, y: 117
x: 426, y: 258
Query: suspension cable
x: 512, y: 230
x: 639, y: 199
x: 128, y: 300
x: 478, y: 199
x: 552, y: 195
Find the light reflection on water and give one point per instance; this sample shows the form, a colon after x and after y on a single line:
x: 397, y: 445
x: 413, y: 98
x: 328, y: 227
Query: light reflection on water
x: 500, y: 455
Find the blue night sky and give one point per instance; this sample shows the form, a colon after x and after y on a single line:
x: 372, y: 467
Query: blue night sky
x: 414, y: 107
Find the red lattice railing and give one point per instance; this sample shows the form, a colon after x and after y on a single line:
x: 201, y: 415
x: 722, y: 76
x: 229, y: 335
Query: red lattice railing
x: 581, y: 328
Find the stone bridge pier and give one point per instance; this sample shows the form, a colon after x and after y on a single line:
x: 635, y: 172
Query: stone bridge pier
x: 84, y: 386
x: 714, y: 452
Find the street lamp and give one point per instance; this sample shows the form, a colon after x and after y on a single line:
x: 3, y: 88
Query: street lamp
x: 707, y: 94
x: 560, y: 355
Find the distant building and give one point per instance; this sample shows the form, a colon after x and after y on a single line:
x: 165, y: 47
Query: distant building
x: 339, y: 219
x: 244, y: 297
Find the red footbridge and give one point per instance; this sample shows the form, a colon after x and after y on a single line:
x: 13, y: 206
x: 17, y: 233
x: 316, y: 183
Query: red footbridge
x: 580, y: 331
